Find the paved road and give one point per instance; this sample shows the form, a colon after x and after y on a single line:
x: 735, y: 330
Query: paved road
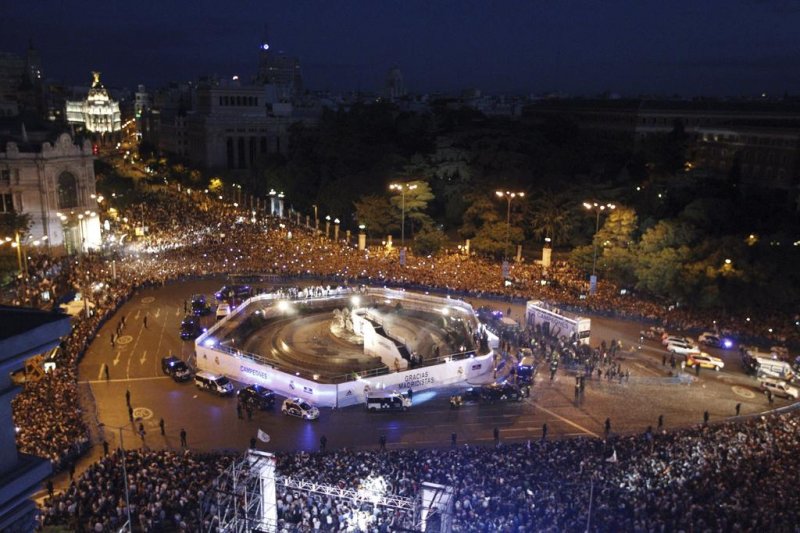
x: 212, y: 423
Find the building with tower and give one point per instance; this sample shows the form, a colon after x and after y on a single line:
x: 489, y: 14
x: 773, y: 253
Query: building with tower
x: 280, y: 71
x: 98, y: 113
x: 395, y: 87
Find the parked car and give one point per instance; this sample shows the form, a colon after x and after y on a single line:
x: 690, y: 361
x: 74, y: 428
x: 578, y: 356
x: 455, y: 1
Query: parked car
x: 705, y: 360
x: 257, y: 396
x: 233, y: 292
x: 682, y: 348
x: 214, y: 383
x: 175, y: 368
x: 223, y: 310
x: 191, y: 328
x: 200, y: 306
x: 675, y: 338
x: 492, y: 393
x: 709, y: 339
x: 780, y: 388
x: 299, y: 408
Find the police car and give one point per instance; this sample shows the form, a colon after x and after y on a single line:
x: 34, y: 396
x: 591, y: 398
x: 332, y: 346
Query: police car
x: 299, y: 408
x: 175, y: 368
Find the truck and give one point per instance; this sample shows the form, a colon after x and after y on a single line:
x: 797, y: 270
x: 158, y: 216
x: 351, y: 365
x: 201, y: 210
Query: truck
x: 556, y: 322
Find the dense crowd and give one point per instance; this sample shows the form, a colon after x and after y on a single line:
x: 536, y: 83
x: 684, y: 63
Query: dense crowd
x: 189, y: 236
x: 735, y: 476
x: 165, y: 490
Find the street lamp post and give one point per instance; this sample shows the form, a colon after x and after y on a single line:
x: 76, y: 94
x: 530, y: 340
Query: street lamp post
x: 125, y: 478
x: 508, y: 195
x: 403, y: 187
x: 597, y: 208
x: 327, y: 227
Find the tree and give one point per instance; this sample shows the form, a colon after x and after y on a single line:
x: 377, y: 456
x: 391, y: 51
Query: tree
x: 12, y: 223
x: 618, y: 229
x: 415, y: 201
x: 482, y: 210
x: 377, y: 214
x: 551, y: 218
x: 663, y: 251
x: 491, y: 238
x: 428, y: 240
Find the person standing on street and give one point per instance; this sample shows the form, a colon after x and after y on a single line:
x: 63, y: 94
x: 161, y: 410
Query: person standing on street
x: 738, y: 408
x: 183, y: 438
x: 128, y: 397
x: 607, y: 427
x: 453, y: 439
x: 323, y: 443
x: 496, y: 433
x: 544, y: 431
x: 161, y: 425
x: 382, y: 442
x: 145, y: 321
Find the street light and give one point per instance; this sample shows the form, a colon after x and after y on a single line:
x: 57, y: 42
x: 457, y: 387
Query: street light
x: 508, y: 195
x: 327, y: 227
x: 597, y: 208
x: 403, y: 187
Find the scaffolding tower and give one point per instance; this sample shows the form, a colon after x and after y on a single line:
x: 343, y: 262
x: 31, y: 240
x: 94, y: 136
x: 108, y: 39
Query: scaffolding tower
x: 243, y: 500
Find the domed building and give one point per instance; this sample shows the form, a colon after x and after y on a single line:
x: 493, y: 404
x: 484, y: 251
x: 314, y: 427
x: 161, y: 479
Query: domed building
x: 98, y: 113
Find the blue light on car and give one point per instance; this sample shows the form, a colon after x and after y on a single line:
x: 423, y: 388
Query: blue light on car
x: 727, y: 343
x: 172, y: 363
x: 209, y: 342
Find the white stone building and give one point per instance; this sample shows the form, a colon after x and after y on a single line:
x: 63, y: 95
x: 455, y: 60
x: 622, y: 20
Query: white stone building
x: 98, y: 113
x: 55, y: 185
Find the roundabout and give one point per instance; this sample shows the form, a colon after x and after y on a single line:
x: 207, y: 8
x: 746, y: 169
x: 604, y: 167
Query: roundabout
x: 211, y: 422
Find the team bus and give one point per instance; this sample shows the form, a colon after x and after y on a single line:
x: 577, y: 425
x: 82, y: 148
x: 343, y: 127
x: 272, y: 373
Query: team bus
x: 553, y: 321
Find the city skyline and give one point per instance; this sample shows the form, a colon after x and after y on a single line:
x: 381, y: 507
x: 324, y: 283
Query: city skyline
x: 745, y: 47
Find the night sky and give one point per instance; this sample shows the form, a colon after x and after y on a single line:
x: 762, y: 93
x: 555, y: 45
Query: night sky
x: 664, y: 47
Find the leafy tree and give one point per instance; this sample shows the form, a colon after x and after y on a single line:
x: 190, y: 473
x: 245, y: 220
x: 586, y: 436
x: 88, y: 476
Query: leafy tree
x: 491, y: 238
x: 663, y: 251
x: 415, y: 201
x: 618, y: 229
x: 377, y: 214
x: 13, y: 222
x: 428, y: 240
x: 482, y: 210
x: 550, y: 217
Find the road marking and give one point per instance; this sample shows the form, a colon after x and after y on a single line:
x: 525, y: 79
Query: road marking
x: 116, y: 359
x: 568, y: 421
x: 646, y: 369
x: 178, y: 312
x: 143, y: 358
x: 100, y: 374
x: 122, y: 380
x: 136, y: 316
x: 158, y: 312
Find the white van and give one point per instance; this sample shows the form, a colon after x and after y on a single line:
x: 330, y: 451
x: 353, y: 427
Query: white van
x: 772, y: 368
x: 387, y: 401
x: 214, y: 383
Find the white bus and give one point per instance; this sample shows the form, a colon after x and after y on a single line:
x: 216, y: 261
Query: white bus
x: 556, y: 322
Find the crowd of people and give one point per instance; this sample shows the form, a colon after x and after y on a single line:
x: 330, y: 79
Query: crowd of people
x: 735, y: 476
x: 165, y: 490
x: 189, y: 236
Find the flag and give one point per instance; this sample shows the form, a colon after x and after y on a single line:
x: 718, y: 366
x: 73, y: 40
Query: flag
x: 262, y: 436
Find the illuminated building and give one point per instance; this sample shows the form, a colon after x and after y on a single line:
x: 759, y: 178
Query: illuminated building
x: 54, y: 183
x: 98, y: 113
